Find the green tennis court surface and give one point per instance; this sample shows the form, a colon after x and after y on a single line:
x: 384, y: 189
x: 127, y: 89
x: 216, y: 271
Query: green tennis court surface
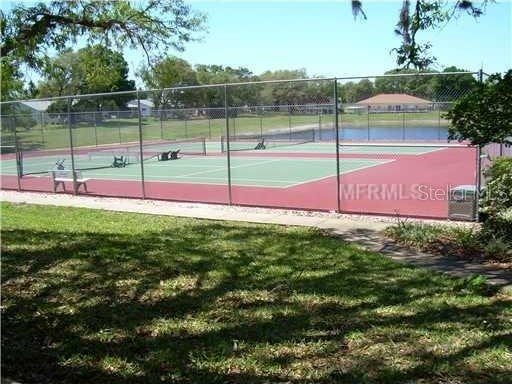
x: 245, y: 171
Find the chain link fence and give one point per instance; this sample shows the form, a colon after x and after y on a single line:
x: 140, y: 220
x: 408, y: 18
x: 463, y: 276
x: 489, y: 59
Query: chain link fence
x: 373, y: 145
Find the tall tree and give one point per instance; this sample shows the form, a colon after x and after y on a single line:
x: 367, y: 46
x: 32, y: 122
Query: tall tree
x: 153, y: 26
x: 284, y: 93
x: 424, y: 15
x: 353, y: 92
x: 170, y: 72
x: 95, y: 69
x: 449, y: 88
x: 218, y: 74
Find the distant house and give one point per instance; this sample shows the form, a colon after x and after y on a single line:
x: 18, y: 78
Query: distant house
x: 146, y: 107
x: 392, y: 102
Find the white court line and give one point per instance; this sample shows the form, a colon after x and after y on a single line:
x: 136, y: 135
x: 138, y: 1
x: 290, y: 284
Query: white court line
x: 190, y: 175
x: 233, y: 167
x: 185, y: 166
x: 224, y: 184
x: 173, y: 180
x: 342, y: 173
x: 166, y: 178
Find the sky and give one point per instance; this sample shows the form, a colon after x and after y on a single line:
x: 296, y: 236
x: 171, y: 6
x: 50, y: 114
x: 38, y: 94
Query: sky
x: 324, y: 38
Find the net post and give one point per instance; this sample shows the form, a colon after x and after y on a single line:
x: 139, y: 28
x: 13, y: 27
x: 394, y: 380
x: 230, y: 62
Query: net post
x: 19, y: 170
x: 140, y: 148
x: 337, y: 129
x: 226, y: 113
x: 71, y: 150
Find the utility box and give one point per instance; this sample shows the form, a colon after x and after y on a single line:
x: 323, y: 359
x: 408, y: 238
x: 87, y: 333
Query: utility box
x: 462, y: 203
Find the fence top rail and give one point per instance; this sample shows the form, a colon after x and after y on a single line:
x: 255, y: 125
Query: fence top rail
x: 137, y: 93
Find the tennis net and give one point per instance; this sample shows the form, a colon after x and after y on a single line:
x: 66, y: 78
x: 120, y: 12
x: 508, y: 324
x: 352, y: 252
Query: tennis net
x: 40, y: 162
x: 398, y: 148
x: 267, y: 140
x: 7, y: 149
x: 150, y: 150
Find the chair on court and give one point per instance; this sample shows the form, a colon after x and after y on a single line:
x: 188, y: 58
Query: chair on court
x: 169, y: 155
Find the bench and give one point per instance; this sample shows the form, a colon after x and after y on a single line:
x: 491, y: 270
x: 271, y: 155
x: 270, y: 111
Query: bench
x: 61, y: 176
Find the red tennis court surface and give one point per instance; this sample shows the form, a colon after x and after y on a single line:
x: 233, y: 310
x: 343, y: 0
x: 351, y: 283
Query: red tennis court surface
x: 401, y: 184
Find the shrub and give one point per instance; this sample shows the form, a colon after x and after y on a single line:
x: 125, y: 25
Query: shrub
x: 496, y: 208
x: 498, y: 193
x: 498, y: 249
x: 499, y: 226
x: 465, y: 241
x: 415, y: 234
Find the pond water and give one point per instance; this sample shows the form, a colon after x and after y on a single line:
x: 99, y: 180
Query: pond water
x: 422, y: 133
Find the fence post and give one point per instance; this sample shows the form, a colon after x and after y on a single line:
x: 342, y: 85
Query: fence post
x: 438, y: 122
x: 261, y: 122
x: 186, y: 126
x: 368, y: 127
x: 70, y: 128
x: 337, y: 128
x: 141, y: 153
x: 290, y: 121
x: 209, y: 125
x: 226, y: 113
x: 161, y: 124
x: 479, y: 163
x: 17, y: 148
x: 478, y: 181
x: 42, y: 127
x: 320, y: 125
x: 403, y: 126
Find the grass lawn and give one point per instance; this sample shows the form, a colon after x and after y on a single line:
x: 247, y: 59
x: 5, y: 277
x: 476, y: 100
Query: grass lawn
x: 91, y: 296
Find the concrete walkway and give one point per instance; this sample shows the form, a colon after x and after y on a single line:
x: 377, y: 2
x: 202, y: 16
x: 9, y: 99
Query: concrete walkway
x: 366, y: 231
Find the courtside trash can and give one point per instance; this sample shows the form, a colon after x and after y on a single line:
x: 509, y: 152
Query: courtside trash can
x: 462, y: 203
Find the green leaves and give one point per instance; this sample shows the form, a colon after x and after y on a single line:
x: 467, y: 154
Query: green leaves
x: 89, y: 70
x: 151, y: 26
x: 427, y: 14
x: 484, y: 115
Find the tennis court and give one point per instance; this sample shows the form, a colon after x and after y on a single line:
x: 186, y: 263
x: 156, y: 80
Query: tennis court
x: 278, y: 171
x: 374, y: 178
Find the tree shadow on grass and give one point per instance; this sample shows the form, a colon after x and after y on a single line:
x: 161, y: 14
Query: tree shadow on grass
x: 209, y: 302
